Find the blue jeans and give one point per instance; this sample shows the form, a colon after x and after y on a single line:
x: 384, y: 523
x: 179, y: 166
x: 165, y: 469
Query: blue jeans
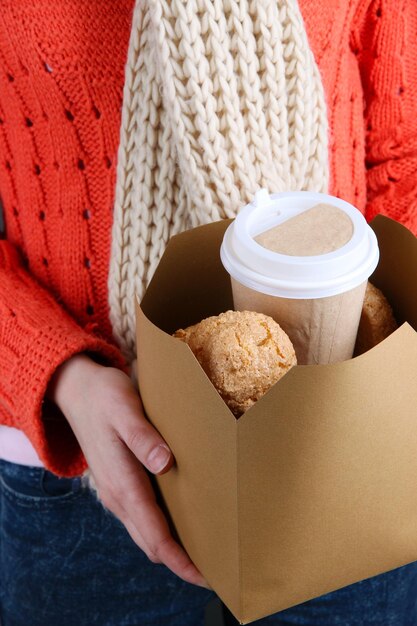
x: 66, y: 561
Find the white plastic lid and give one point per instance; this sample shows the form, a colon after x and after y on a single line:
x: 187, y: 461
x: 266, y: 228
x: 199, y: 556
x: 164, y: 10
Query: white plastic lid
x: 298, y: 277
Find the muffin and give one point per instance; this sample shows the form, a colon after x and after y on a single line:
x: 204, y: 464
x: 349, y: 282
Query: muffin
x: 377, y: 320
x: 242, y: 352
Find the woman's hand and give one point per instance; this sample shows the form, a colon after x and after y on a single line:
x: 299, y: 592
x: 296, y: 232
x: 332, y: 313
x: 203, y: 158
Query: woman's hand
x: 105, y: 412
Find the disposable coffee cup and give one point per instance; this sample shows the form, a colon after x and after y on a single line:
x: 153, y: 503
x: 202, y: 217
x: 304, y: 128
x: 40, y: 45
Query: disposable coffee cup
x: 303, y: 258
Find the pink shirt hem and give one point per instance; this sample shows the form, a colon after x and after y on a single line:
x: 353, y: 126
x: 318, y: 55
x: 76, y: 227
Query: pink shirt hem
x: 15, y: 447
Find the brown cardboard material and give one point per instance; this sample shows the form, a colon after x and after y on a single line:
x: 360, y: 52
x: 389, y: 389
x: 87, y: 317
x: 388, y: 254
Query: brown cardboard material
x: 314, y: 487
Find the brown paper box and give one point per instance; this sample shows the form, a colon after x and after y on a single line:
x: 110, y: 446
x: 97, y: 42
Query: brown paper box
x: 313, y: 488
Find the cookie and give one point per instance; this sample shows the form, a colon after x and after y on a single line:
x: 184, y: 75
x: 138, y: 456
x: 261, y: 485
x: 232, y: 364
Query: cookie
x: 243, y: 354
x: 377, y: 320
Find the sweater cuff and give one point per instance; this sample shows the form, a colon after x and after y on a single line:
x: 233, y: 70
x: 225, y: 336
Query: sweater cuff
x: 40, y: 419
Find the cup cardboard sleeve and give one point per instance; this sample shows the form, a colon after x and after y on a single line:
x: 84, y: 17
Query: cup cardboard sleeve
x: 315, y: 486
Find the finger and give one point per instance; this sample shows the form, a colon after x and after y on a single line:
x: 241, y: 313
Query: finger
x: 166, y: 550
x: 169, y: 553
x: 116, y: 507
x: 139, y: 540
x: 142, y: 438
x: 142, y: 515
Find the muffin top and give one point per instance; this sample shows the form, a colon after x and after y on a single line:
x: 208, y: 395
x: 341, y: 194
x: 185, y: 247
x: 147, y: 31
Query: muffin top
x: 242, y: 352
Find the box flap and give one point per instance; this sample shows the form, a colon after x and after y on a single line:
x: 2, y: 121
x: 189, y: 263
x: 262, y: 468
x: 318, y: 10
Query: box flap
x: 327, y: 469
x: 397, y: 268
x: 200, y: 491
x: 190, y: 282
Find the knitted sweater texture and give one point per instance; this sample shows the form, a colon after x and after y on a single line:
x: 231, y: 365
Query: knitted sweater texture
x: 61, y: 86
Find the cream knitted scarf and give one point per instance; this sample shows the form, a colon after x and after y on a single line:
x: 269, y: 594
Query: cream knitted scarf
x: 221, y: 97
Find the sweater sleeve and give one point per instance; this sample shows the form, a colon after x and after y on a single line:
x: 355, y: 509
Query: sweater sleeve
x: 36, y: 336
x: 385, y: 41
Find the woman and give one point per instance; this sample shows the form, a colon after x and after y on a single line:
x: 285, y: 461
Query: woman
x: 66, y: 324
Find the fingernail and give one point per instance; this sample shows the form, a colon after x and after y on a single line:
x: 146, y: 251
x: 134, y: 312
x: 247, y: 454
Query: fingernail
x: 158, y: 458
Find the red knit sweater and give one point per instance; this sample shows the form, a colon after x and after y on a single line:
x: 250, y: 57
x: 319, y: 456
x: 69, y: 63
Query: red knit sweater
x: 61, y: 83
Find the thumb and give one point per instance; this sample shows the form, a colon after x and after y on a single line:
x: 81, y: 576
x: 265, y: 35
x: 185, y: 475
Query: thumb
x: 145, y: 442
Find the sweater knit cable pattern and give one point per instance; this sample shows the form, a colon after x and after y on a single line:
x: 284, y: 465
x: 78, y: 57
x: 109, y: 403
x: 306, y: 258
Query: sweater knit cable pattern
x: 59, y: 96
x: 220, y: 98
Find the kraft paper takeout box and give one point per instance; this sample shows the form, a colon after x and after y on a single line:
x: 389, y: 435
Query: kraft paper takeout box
x: 313, y: 488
